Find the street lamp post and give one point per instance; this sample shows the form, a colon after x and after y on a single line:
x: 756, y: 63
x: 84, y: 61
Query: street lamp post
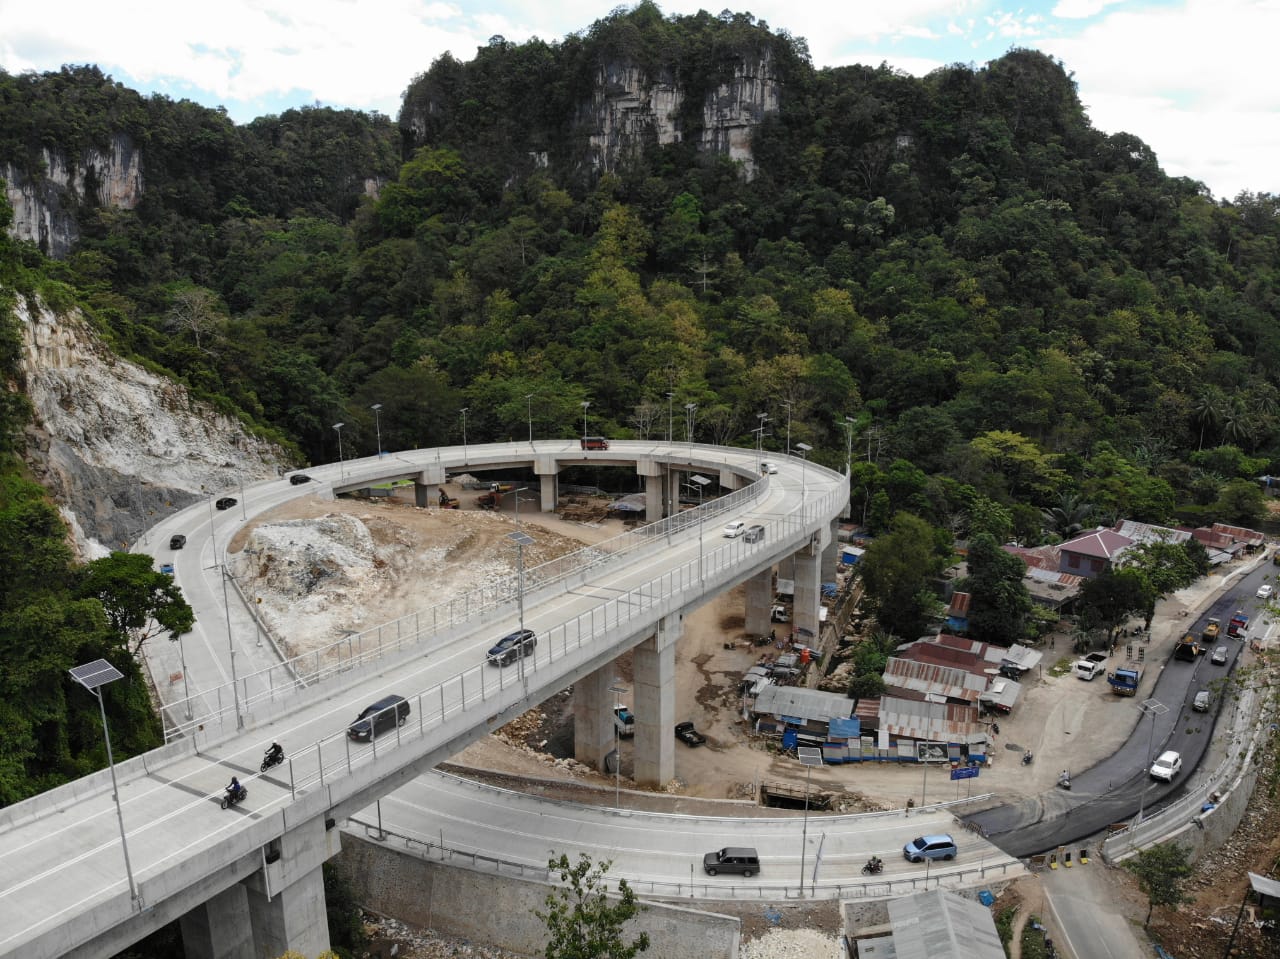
x: 787, y: 404
x: 670, y: 417
x: 690, y: 409
x: 521, y: 539
x: 803, y: 450
x: 759, y: 431
x: 377, y: 425
x: 1152, y: 708
x: 585, y: 404
x: 464, y: 433
x: 93, y: 676
x: 809, y: 756
x: 701, y: 482
x: 848, y: 448
x: 341, y: 465
x: 186, y: 684
x: 618, y: 690
x: 528, y: 404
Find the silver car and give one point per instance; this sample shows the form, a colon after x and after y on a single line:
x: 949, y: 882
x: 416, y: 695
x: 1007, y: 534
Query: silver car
x: 1219, y: 657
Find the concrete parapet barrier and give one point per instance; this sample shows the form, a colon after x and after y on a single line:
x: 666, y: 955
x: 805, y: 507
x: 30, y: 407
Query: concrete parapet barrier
x: 99, y: 782
x: 499, y: 909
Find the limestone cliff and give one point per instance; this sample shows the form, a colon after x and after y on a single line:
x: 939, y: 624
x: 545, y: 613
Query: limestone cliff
x: 118, y: 446
x: 44, y: 206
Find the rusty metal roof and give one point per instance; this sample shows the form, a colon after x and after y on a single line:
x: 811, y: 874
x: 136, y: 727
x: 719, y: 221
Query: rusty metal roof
x: 933, y: 722
x: 949, y: 681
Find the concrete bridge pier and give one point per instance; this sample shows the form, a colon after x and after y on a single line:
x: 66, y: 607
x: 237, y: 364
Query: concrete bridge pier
x: 655, y: 699
x: 831, y: 553
x: 286, y: 897
x: 426, y: 486
x: 808, y: 588
x: 548, y: 472
x: 759, y: 601
x: 593, y: 717
x: 654, y: 487
x: 220, y: 928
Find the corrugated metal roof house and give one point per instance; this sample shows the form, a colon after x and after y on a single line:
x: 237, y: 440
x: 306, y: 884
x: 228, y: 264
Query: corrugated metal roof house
x: 930, y: 722
x: 938, y: 682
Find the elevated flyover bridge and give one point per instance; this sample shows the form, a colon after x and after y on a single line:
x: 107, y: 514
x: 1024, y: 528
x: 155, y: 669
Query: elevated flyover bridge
x: 66, y: 885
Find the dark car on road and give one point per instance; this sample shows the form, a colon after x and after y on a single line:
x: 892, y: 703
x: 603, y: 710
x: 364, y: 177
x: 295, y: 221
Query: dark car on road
x: 513, y: 646
x: 177, y: 541
x: 686, y: 733
x: 226, y: 502
x: 380, y: 717
x: 740, y: 859
x: 297, y: 479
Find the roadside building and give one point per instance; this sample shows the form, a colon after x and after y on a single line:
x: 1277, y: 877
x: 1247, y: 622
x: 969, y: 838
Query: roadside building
x: 933, y: 925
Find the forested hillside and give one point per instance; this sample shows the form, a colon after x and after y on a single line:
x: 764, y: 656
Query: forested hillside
x: 1002, y: 311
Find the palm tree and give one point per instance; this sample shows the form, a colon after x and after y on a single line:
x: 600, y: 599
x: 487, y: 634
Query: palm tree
x: 1068, y: 517
x: 1208, y: 411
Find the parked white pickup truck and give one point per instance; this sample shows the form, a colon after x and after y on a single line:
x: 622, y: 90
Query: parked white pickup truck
x: 1095, y: 664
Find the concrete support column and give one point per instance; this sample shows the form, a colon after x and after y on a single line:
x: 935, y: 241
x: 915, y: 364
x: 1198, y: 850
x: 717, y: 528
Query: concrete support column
x: 425, y: 494
x: 653, y: 499
x: 674, y: 477
x: 547, y: 469
x: 286, y: 896
x: 759, y: 600
x: 292, y: 919
x: 808, y: 593
x: 655, y: 704
x: 220, y: 928
x: 593, y: 717
x: 831, y: 553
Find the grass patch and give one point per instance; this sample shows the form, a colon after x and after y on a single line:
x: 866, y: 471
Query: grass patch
x: 1061, y: 667
x: 1033, y: 940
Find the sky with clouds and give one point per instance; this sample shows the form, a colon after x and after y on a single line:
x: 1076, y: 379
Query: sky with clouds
x: 1192, y: 78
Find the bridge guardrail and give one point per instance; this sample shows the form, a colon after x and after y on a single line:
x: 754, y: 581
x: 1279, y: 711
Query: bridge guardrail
x: 713, y: 889
x: 213, y: 704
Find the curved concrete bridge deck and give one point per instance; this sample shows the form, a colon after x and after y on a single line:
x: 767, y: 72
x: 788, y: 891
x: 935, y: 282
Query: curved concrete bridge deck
x: 64, y: 888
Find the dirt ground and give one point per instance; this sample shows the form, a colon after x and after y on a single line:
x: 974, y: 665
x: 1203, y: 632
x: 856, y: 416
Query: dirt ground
x: 1067, y: 723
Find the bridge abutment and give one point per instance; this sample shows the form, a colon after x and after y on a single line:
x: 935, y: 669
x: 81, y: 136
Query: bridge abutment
x: 655, y: 698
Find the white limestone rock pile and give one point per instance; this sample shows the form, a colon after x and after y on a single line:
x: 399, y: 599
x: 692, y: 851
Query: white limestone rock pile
x: 792, y: 944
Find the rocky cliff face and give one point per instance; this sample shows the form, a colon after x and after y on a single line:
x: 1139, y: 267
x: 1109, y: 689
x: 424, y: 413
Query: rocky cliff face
x: 120, y: 447
x: 630, y: 109
x: 44, y: 206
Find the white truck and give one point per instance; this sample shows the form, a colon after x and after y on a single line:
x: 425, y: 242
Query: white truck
x: 624, y: 722
x: 1095, y: 664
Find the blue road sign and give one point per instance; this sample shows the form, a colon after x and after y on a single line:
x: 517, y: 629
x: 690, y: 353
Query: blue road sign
x: 964, y: 772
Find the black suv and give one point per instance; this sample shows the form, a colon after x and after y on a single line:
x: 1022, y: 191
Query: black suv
x: 226, y: 502
x: 177, y: 541
x: 513, y: 646
x: 383, y: 716
x: 297, y: 479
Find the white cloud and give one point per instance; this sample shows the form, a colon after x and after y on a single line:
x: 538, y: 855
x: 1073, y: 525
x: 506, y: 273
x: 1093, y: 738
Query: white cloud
x: 1081, y: 9
x: 1194, y: 81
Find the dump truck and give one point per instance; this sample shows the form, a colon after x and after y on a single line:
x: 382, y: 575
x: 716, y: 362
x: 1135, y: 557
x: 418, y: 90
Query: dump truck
x: 1211, y: 631
x: 1124, y: 679
x: 1239, y: 624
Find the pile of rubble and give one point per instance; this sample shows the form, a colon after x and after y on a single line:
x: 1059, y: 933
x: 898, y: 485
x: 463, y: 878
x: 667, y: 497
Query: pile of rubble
x: 792, y: 944
x: 391, y: 937
x: 577, y: 509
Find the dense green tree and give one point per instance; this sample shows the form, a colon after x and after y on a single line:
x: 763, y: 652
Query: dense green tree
x: 583, y: 921
x: 1240, y: 503
x: 1112, y: 596
x: 1162, y: 872
x: 898, y: 571
x: 999, y: 601
x: 139, y: 601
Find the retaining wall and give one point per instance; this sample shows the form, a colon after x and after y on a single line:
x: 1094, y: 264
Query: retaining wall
x: 486, y: 907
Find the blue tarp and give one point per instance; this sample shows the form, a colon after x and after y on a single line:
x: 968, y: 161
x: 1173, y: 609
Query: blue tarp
x: 845, y: 728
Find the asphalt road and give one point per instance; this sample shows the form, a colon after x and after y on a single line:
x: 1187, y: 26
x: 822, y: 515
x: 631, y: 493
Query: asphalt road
x: 1113, y: 790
